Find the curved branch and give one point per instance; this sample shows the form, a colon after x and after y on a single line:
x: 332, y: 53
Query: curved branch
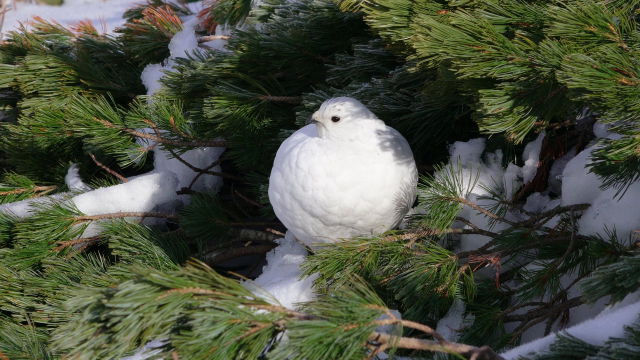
x: 472, y: 352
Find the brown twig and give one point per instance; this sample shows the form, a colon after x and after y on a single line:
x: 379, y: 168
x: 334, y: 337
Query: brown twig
x: 478, y: 230
x: 3, y: 356
x: 195, y: 178
x: 413, y: 325
x: 471, y: 352
x: 108, y: 169
x: 85, y: 241
x: 250, y: 201
x: 175, y: 128
x: 539, y: 315
x: 275, y: 232
x: 203, y: 39
x: 482, y: 210
x: 202, y: 171
x: 43, y: 189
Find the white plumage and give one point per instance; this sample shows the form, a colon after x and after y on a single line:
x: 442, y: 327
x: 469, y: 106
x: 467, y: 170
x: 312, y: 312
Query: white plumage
x: 345, y: 175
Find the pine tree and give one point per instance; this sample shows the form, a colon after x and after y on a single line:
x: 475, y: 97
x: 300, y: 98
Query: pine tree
x: 438, y: 71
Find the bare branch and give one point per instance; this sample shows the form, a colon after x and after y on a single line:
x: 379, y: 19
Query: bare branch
x: 36, y: 189
x: 203, y: 39
x: 471, y: 352
x: 108, y: 169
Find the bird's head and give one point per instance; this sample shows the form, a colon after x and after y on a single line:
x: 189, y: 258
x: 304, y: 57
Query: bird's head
x: 339, y: 117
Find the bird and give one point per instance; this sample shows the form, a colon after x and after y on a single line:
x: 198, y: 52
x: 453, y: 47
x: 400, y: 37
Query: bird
x: 344, y: 175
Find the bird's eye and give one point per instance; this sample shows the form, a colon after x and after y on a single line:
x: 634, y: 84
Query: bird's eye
x: 335, y: 118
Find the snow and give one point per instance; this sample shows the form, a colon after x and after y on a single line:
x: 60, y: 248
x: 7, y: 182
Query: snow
x: 105, y: 14
x: 606, y: 211
x: 601, y: 131
x: 280, y: 281
x: 145, y: 193
x: 73, y: 180
x: 181, y: 45
x: 150, y: 77
x: 185, y: 41
x: 149, y: 350
x: 467, y: 156
x: 453, y: 321
x: 25, y: 208
x: 555, y: 173
x: 570, y: 177
x: 142, y: 194
x: 200, y: 158
x: 595, y: 331
x: 531, y: 157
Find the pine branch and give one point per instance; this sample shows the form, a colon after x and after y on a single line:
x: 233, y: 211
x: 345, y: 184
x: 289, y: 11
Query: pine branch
x: 164, y: 140
x: 120, y: 215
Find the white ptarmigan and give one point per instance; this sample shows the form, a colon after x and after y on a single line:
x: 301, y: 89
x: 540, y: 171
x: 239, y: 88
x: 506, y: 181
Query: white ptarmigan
x: 347, y: 174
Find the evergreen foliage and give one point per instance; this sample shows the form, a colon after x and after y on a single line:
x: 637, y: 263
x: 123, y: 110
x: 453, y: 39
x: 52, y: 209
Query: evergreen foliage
x: 438, y: 71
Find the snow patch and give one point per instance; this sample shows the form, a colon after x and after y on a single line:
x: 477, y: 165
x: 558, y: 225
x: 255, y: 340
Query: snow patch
x: 531, y: 157
x: 595, y: 331
x: 453, y: 321
x: 607, y: 211
x: 280, y: 281
x: 73, y: 180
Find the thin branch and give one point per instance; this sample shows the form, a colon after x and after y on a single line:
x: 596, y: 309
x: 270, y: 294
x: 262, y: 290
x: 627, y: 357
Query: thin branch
x: 202, y: 171
x: 544, y: 311
x: 25, y: 190
x: 537, y: 316
x: 553, y: 212
x: 207, y: 38
x: 472, y: 352
x: 275, y: 232
x: 482, y: 210
x: 172, y: 122
x: 243, y: 197
x: 108, y: 169
x: 413, y: 325
x: 476, y: 228
x: 85, y: 241
x: 195, y: 178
